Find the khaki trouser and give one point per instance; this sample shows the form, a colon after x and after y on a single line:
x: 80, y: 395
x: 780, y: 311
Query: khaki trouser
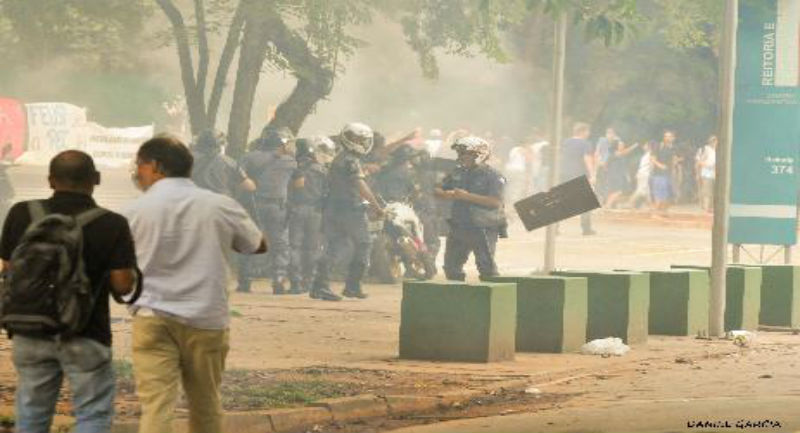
x: 165, y: 351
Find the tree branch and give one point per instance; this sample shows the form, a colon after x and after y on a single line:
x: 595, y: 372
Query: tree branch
x: 225, y: 61
x: 194, y: 101
x: 202, y: 47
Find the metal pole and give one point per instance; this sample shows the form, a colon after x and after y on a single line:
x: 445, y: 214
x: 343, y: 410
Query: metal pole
x: 787, y: 255
x: 737, y: 253
x: 556, y: 126
x: 719, y: 237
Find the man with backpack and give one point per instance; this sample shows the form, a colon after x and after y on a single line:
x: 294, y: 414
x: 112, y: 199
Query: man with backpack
x: 180, y: 324
x: 61, y: 256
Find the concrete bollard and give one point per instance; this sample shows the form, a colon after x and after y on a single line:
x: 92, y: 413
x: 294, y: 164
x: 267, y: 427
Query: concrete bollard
x: 679, y: 302
x: 618, y: 305
x: 742, y: 296
x: 551, y: 313
x: 455, y: 321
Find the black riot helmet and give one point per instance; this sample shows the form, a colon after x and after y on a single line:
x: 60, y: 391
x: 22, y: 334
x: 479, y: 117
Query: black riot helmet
x: 273, y: 138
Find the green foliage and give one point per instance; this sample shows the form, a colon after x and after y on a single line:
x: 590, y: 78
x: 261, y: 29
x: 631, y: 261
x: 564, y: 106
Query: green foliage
x: 96, y: 32
x: 242, y: 390
x: 691, y: 23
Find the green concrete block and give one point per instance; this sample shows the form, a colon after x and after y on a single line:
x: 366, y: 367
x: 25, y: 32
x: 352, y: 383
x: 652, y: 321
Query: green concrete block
x: 742, y: 296
x: 780, y: 295
x: 551, y: 313
x: 455, y: 321
x: 679, y: 302
x: 618, y: 304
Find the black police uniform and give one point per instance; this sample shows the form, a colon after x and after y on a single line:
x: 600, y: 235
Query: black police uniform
x: 344, y: 220
x: 473, y: 228
x: 271, y: 170
x: 217, y: 172
x: 305, y: 221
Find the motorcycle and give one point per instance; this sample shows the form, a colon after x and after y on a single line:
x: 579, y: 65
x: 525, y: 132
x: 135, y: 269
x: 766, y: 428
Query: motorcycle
x: 399, y: 250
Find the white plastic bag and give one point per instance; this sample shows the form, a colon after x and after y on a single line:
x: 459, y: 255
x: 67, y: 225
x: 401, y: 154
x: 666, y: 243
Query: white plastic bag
x: 742, y: 338
x: 611, y: 346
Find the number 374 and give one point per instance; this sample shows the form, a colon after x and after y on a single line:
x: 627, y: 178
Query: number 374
x: 781, y: 169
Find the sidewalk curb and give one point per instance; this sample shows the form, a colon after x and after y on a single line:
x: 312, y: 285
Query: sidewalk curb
x: 366, y: 406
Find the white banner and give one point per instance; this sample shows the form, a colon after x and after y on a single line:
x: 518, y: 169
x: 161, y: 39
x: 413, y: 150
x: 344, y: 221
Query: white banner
x: 55, y: 126
x: 115, y: 147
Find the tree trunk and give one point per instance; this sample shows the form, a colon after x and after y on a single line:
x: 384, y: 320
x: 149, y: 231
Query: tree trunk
x: 225, y: 60
x: 314, y: 80
x: 251, y: 59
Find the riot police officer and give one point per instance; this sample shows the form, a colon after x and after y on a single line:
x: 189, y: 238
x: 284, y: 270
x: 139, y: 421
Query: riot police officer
x: 216, y: 171
x: 396, y: 181
x: 307, y: 191
x: 477, y: 218
x: 345, y: 214
x: 271, y: 164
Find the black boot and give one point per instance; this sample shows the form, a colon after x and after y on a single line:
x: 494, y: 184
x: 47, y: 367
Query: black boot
x: 354, y: 291
x: 324, y: 294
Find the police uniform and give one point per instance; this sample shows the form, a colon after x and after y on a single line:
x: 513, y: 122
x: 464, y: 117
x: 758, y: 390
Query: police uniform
x: 271, y: 170
x: 217, y: 172
x: 473, y: 228
x: 424, y: 202
x: 305, y: 221
x: 345, y: 220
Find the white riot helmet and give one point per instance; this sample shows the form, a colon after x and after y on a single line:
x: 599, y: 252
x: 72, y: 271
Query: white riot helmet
x: 357, y: 138
x: 323, y: 147
x: 473, y: 144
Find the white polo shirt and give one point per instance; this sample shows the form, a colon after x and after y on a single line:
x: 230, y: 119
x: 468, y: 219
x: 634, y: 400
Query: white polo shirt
x: 182, y: 234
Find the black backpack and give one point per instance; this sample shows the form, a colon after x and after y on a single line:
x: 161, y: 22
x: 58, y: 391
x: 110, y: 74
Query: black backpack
x: 46, y: 290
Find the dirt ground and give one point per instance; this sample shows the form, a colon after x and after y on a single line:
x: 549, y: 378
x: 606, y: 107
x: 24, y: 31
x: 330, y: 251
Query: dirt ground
x: 287, y: 350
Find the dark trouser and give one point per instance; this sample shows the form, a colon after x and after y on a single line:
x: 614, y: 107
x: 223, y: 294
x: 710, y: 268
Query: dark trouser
x: 341, y: 226
x: 461, y: 241
x: 305, y: 242
x: 271, y: 216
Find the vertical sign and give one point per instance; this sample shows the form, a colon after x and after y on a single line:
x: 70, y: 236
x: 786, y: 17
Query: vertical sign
x: 766, y: 127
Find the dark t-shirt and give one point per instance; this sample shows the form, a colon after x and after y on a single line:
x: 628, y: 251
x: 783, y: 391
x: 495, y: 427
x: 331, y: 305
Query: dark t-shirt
x: 572, y: 153
x: 481, y: 180
x: 107, y: 244
x: 664, y: 155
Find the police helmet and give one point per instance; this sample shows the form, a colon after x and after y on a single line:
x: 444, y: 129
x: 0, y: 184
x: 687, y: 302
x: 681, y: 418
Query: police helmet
x: 473, y: 144
x: 357, y: 138
x: 272, y: 137
x: 209, y: 139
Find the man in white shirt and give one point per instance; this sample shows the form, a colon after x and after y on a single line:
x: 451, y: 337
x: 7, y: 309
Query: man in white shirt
x: 180, y: 325
x: 707, y: 165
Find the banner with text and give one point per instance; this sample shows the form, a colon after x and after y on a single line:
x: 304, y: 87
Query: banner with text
x: 766, y: 126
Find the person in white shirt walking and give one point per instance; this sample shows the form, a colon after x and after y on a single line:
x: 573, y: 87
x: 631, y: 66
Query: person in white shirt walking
x: 180, y: 324
x: 707, y: 165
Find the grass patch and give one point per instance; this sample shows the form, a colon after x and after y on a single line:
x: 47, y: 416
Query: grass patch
x: 243, y: 390
x: 236, y: 313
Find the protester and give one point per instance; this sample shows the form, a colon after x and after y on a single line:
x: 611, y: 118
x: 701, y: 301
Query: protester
x: 477, y: 217
x: 617, y: 171
x: 663, y: 159
x: 643, y: 172
x: 180, y: 324
x: 603, y: 152
x: 44, y: 353
x: 517, y: 171
x: 539, y: 161
x: 577, y: 159
x: 707, y: 164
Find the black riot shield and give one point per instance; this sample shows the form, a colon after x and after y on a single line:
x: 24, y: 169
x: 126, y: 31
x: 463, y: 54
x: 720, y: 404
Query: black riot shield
x: 563, y: 201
